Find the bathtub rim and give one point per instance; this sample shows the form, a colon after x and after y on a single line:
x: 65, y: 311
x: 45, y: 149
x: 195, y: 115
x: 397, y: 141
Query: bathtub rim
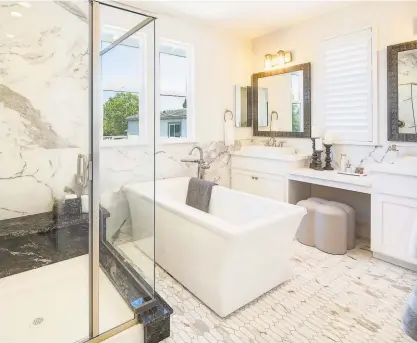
x: 216, y: 224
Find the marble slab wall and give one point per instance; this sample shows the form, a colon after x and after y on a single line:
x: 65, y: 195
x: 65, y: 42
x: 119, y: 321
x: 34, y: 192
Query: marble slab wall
x: 43, y: 104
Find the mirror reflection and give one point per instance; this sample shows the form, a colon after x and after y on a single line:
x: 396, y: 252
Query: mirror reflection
x: 241, y: 106
x: 280, y: 102
x: 407, y: 91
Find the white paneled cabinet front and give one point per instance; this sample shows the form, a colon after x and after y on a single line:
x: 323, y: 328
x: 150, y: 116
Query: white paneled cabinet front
x: 392, y: 224
x: 262, y: 176
x: 268, y: 186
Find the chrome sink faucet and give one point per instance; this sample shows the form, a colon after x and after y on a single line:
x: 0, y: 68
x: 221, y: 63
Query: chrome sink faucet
x: 271, y: 142
x: 202, y: 165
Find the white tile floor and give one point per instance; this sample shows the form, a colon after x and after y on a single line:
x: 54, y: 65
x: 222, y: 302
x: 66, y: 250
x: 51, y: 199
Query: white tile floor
x: 348, y: 298
x: 50, y: 304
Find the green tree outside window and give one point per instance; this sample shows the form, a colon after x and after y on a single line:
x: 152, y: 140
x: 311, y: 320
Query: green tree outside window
x: 116, y: 110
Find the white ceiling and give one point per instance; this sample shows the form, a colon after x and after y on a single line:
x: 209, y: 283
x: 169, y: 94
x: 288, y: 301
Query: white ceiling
x: 246, y: 18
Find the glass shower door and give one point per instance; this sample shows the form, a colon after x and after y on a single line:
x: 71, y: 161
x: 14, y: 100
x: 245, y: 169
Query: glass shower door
x: 122, y: 149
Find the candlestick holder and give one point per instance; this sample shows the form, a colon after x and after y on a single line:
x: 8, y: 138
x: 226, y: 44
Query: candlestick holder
x: 328, y: 159
x: 314, y: 155
x: 318, y: 160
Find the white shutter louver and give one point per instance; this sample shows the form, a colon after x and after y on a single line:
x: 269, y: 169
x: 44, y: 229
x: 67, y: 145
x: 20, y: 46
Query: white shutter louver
x: 347, y: 86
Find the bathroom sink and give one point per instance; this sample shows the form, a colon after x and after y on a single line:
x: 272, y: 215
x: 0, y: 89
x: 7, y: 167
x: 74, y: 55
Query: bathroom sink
x: 260, y: 151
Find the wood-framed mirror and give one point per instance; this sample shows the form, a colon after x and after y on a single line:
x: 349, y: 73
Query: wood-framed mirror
x: 281, y: 105
x: 402, y: 92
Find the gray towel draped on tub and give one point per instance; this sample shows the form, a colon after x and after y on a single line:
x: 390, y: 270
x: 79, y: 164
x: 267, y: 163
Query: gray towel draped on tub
x: 199, y: 194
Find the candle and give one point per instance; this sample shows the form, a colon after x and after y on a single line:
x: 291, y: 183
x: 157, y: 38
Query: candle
x: 315, y: 131
x: 328, y: 138
x: 319, y: 144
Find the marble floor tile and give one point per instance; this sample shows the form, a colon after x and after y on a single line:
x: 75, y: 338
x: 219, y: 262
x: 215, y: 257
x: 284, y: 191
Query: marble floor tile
x: 349, y: 298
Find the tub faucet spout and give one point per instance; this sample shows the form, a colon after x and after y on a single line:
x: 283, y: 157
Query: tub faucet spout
x: 202, y: 165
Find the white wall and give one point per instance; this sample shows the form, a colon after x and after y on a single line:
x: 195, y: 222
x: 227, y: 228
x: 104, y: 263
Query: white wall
x: 395, y: 22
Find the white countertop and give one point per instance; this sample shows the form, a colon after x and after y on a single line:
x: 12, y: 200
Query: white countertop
x: 403, y: 166
x: 270, y: 153
x: 283, y: 157
x: 331, y: 178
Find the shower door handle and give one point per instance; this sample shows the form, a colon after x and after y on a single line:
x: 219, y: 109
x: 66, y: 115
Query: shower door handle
x: 82, y: 170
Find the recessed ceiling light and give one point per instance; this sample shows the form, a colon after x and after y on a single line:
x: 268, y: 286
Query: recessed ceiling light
x: 9, y: 35
x: 16, y: 14
x: 25, y: 4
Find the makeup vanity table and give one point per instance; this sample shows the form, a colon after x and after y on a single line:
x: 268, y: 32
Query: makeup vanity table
x: 392, y: 190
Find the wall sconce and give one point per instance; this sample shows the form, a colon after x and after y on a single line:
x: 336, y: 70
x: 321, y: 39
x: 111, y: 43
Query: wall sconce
x: 278, y: 60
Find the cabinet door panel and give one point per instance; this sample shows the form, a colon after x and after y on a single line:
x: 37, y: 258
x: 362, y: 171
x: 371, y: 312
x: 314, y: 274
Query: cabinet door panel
x: 392, y: 224
x: 242, y: 182
x: 268, y: 188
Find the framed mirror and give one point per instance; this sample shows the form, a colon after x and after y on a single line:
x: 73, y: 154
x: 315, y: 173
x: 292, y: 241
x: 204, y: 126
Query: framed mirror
x: 402, y: 92
x: 281, y: 102
x: 242, y: 96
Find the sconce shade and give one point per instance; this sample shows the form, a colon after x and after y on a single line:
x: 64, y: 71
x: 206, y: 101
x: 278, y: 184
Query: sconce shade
x: 281, y: 57
x: 268, y: 61
x: 288, y: 57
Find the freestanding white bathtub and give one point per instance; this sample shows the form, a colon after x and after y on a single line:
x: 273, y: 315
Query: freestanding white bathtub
x: 226, y: 258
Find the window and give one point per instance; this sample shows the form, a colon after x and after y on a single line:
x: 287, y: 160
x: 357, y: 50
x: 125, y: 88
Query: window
x: 347, y: 75
x: 174, y: 129
x: 175, y: 86
x: 297, y: 101
x: 122, y: 78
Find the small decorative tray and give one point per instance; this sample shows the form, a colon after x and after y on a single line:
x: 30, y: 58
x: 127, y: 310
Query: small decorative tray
x: 352, y: 174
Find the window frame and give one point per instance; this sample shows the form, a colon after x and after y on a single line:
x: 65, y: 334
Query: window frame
x: 189, y: 94
x: 174, y: 124
x: 374, y: 87
x: 142, y: 138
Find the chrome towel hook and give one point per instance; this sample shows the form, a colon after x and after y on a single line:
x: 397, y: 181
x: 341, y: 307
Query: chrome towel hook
x: 276, y: 115
x: 231, y: 115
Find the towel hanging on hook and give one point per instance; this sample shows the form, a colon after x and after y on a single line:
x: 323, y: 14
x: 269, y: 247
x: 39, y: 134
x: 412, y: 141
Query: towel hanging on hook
x: 273, y: 120
x: 229, y: 129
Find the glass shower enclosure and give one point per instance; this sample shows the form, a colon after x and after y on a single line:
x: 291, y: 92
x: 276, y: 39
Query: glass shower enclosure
x: 76, y: 126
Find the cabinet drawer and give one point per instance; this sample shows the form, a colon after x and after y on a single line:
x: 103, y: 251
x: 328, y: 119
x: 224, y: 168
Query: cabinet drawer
x: 393, y: 184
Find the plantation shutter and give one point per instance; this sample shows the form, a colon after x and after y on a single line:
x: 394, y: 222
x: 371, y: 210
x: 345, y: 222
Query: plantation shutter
x: 347, y: 86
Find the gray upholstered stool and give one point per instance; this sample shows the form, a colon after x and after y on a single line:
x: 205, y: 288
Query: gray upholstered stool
x: 331, y: 229
x: 305, y: 232
x: 319, y: 200
x: 350, y: 212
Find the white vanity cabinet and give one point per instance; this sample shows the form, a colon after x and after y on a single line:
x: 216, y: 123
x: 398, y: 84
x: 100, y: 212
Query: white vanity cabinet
x: 263, y: 171
x: 394, y: 211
